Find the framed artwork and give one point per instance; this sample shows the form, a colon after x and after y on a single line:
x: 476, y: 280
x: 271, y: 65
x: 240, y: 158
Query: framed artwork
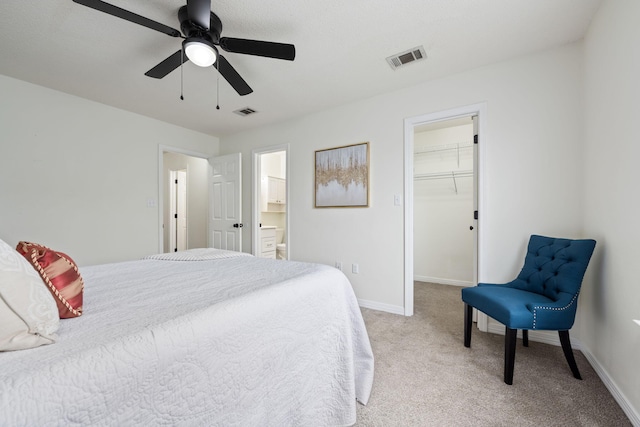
x: 342, y: 176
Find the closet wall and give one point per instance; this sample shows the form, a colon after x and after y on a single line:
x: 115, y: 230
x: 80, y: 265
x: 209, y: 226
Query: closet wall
x: 443, y: 203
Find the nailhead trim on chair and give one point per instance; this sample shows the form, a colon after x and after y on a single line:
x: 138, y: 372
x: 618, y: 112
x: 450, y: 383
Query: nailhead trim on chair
x: 553, y: 308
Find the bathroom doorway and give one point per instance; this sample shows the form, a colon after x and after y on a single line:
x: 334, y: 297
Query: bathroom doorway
x: 271, y: 203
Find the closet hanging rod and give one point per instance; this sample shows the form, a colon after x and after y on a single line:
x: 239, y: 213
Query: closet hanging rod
x: 443, y: 175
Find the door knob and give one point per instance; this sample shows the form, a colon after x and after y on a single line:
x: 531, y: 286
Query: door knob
x: 471, y: 227
x: 237, y: 225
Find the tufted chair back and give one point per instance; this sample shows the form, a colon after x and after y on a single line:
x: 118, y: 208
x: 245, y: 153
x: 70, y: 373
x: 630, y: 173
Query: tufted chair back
x: 554, y: 267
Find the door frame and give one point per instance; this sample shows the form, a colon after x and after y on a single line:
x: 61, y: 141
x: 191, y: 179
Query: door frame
x: 160, y: 206
x: 177, y: 210
x: 255, y: 194
x: 409, y: 128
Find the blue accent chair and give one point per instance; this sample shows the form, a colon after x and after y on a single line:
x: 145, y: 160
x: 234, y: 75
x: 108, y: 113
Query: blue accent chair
x: 544, y: 296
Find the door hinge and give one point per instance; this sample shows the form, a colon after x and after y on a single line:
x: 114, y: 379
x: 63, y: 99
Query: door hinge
x: 475, y: 139
x: 176, y: 181
x: 475, y: 214
x: 175, y: 216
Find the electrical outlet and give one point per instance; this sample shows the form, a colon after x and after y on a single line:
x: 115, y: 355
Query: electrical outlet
x: 355, y: 269
x: 339, y: 265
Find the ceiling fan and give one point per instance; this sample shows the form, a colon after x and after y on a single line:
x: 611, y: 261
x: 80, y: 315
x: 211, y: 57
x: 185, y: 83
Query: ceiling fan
x: 201, y: 31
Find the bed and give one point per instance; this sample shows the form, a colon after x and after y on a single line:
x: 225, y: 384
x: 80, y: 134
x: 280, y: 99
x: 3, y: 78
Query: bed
x: 203, y: 338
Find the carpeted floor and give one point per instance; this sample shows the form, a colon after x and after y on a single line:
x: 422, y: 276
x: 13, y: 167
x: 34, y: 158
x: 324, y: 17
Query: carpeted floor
x: 424, y: 376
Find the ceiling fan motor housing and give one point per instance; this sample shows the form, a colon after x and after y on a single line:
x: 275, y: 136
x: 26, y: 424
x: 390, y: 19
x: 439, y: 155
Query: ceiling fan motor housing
x: 192, y: 30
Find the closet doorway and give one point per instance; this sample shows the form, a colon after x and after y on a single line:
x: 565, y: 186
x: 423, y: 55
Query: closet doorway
x: 441, y: 193
x: 271, y: 203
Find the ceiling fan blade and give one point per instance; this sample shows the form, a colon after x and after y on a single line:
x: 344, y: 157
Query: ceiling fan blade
x: 199, y: 12
x: 259, y: 48
x: 129, y: 16
x: 167, y: 66
x: 232, y: 76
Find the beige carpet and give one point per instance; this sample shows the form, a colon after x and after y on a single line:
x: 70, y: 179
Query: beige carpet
x: 424, y: 376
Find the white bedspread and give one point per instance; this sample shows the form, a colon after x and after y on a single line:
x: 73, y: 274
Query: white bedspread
x: 239, y: 341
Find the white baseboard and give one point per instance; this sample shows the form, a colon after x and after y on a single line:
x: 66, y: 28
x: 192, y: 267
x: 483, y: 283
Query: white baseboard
x: 613, y: 388
x: 374, y: 305
x: 551, y: 337
x: 442, y: 281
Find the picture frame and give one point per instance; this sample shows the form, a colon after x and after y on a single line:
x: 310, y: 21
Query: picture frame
x: 342, y: 176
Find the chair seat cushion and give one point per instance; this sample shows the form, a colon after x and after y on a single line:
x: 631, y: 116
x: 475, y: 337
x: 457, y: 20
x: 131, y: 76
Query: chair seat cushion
x: 507, y: 305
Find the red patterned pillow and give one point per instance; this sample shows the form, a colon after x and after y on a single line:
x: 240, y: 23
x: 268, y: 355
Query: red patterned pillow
x: 60, y: 274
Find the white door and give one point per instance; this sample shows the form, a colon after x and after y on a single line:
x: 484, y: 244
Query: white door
x: 225, y: 212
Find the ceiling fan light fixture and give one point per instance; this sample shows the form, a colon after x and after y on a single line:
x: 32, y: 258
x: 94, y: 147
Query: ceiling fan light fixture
x: 200, y: 51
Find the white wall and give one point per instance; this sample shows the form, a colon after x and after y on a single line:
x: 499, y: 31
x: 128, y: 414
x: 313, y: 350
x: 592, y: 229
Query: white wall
x: 76, y: 175
x: 532, y: 169
x: 197, y: 197
x: 443, y: 208
x: 611, y: 295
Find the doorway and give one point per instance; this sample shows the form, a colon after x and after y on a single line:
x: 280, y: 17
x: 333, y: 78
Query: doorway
x: 195, y: 167
x: 443, y: 202
x: 178, y: 210
x: 449, y: 169
x: 271, y: 201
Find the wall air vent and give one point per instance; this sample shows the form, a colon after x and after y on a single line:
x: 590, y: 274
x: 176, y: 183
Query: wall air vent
x: 407, y: 57
x: 245, y: 111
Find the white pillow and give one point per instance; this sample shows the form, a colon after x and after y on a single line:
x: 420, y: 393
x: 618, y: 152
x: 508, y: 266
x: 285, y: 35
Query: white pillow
x: 28, y: 313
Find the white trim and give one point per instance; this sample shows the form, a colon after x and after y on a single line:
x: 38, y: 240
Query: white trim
x: 409, y: 125
x: 442, y: 281
x: 610, y: 384
x: 374, y: 305
x: 160, y: 206
x: 551, y: 337
x: 255, y: 194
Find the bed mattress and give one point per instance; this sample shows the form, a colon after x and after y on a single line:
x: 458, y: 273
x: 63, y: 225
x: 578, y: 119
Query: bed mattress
x: 232, y: 340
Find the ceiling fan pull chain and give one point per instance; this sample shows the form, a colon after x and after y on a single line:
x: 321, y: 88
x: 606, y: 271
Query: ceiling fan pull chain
x: 181, y: 75
x: 218, y: 86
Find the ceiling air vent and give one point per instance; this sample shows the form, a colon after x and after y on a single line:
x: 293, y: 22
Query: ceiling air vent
x: 245, y: 111
x: 403, y: 58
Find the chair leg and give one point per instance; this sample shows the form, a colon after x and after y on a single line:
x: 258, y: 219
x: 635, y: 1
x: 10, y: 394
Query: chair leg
x: 510, y: 336
x: 468, y: 318
x: 525, y: 338
x: 568, y: 353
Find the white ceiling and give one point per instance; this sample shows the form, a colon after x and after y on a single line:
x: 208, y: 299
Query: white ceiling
x: 341, y: 48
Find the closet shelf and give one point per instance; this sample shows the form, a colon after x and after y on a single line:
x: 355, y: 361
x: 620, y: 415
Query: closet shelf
x: 444, y: 147
x: 454, y: 148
